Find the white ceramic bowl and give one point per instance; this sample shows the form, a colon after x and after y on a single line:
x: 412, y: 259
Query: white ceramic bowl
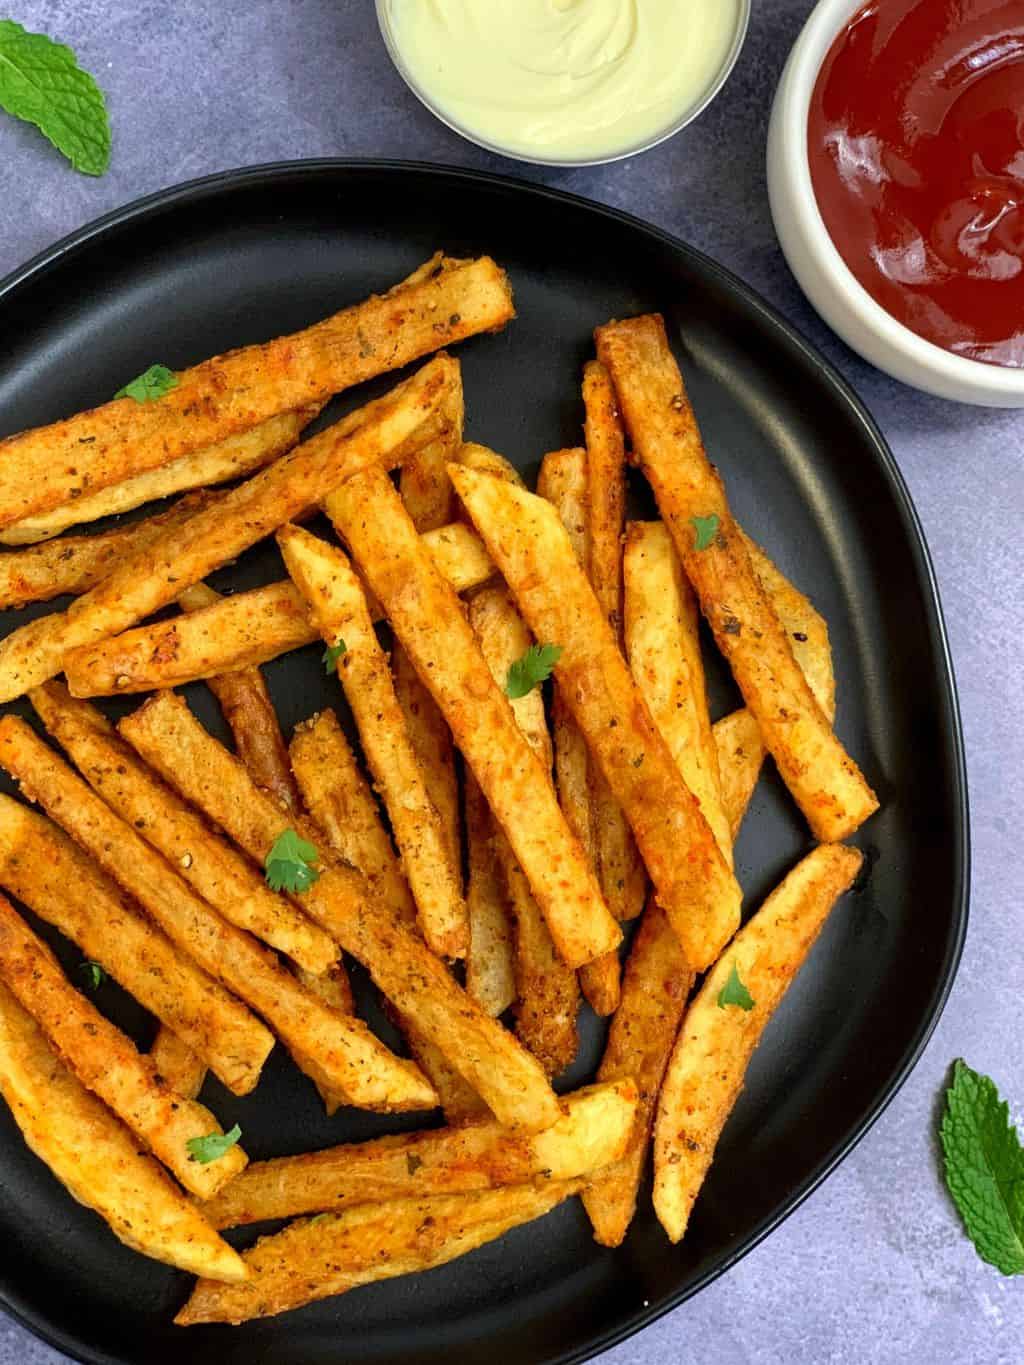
x: 677, y: 124
x: 820, y: 270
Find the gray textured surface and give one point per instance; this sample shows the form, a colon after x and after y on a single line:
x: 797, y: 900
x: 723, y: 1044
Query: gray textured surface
x: 873, y: 1268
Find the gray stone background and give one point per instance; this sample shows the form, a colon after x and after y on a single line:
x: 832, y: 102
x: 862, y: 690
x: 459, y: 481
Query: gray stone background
x: 874, y: 1267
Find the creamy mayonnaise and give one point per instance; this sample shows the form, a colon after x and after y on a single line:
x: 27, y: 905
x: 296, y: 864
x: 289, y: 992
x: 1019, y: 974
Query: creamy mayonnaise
x: 564, y: 79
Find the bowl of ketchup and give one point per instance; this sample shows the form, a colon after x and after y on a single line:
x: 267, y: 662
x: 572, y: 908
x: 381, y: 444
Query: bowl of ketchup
x: 896, y: 179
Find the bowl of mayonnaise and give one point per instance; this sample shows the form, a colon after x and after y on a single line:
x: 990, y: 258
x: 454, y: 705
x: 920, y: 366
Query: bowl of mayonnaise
x: 565, y: 82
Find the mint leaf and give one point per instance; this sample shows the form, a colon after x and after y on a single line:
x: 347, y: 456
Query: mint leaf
x: 985, y: 1168
x: 531, y: 670
x: 41, y: 82
x: 704, y: 530
x: 152, y: 383
x: 289, y: 863
x: 735, y: 993
x: 93, y: 973
x: 332, y: 654
x: 213, y: 1146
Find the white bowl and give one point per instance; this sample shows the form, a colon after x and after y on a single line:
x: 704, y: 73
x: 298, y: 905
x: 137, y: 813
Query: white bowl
x: 677, y: 125
x: 820, y: 270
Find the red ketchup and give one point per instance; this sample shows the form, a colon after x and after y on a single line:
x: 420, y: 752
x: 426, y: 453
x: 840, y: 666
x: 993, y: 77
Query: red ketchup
x: 916, y: 145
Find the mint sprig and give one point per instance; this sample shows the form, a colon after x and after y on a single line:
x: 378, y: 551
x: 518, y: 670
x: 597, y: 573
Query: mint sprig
x: 985, y: 1168
x: 42, y: 83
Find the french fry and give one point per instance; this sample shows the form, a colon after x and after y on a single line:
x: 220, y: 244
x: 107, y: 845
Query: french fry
x: 313, y: 1260
x: 563, y: 481
x: 405, y: 971
x: 245, y: 629
x: 232, y: 458
x: 337, y: 604
x: 335, y: 990
x: 825, y: 782
x: 459, y: 1101
x: 212, y: 867
x: 740, y: 756
x: 707, y: 1068
x: 50, y: 466
x: 424, y: 483
x: 663, y: 646
x: 74, y: 564
x: 96, y: 1158
x: 531, y: 548
x: 490, y: 960
x: 428, y: 619
x: 547, y: 994
x: 337, y: 1049
x: 47, y: 872
x: 655, y: 986
x: 386, y: 430
x: 107, y: 1062
x: 339, y: 799
x: 622, y: 875
x: 176, y: 1064
x: 591, y: 1135
x: 249, y: 712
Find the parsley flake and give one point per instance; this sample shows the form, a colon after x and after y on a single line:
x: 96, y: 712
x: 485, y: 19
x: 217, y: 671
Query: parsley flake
x: 332, y: 654
x: 735, y: 993
x: 531, y: 669
x: 213, y: 1146
x: 289, y: 864
x: 704, y: 530
x: 985, y: 1168
x: 152, y: 383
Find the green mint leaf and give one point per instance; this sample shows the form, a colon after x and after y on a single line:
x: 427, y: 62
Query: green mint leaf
x: 152, y: 383
x: 985, y: 1168
x: 93, y: 973
x: 332, y: 654
x: 213, y: 1146
x: 735, y: 993
x: 531, y: 670
x: 289, y: 863
x: 704, y: 530
x: 41, y: 82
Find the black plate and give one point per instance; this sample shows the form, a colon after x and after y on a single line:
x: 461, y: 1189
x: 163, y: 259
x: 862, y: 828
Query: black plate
x: 246, y: 256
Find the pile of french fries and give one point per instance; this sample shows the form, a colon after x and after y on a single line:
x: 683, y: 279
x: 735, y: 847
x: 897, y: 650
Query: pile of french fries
x: 479, y: 857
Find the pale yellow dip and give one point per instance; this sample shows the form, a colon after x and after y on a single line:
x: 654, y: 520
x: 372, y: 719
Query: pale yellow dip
x: 563, y: 79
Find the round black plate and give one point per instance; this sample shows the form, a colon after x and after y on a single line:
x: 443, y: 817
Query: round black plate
x: 243, y: 257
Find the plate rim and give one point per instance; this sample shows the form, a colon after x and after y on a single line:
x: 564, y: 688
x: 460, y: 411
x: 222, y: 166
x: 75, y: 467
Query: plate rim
x: 952, y: 726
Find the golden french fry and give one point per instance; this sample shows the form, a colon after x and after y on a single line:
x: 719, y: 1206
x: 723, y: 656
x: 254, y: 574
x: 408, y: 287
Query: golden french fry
x: 531, y: 548
x: 176, y: 1064
x: 315, y: 1259
x: 459, y: 1101
x: 502, y: 1072
x: 245, y: 629
x: 335, y: 990
x: 717, y: 1039
x: 490, y: 960
x: 233, y: 458
x: 547, y: 995
x: 740, y: 756
x: 655, y: 985
x: 618, y: 859
x: 663, y: 645
x: 424, y: 483
x: 211, y: 866
x: 339, y: 799
x: 385, y: 430
x: 97, y: 1159
x: 337, y: 1049
x: 108, y: 1063
x: 337, y: 604
x: 428, y: 619
x: 47, y: 872
x: 245, y: 701
x: 50, y: 466
x: 74, y: 564
x: 825, y: 782
x: 592, y: 1134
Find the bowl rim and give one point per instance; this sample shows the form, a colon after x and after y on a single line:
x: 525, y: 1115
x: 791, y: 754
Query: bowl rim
x: 689, y: 114
x: 793, y: 102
